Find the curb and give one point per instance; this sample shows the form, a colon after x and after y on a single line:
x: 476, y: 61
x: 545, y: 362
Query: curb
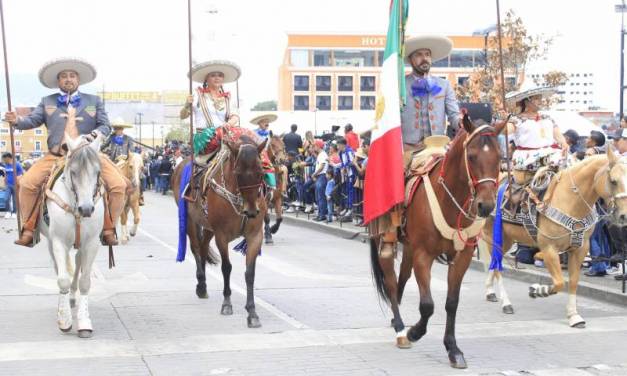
x: 524, y: 275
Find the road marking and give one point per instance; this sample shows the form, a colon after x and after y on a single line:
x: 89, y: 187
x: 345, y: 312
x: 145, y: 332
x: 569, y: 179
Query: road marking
x: 235, y: 287
x: 38, y: 350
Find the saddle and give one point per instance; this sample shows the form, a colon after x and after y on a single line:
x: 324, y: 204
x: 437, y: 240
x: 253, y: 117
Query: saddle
x: 413, y: 176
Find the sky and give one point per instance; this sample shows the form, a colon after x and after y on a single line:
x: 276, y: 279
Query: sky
x: 139, y: 45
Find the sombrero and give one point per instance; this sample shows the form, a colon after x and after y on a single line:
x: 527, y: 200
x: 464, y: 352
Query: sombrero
x: 528, y: 90
x: 49, y: 72
x: 440, y: 46
x: 230, y: 70
x: 269, y: 117
x: 120, y: 123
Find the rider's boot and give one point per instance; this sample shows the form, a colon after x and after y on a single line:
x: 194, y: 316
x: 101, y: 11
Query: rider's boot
x: 29, y: 224
x: 108, y: 228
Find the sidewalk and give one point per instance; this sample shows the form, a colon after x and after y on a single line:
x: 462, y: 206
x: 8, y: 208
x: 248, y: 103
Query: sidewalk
x: 602, y: 288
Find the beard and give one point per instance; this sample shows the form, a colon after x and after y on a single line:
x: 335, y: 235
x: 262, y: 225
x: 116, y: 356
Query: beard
x: 423, y: 68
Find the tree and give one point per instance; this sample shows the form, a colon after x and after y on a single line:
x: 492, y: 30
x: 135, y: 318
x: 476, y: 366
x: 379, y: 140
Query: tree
x: 519, y: 49
x: 265, y: 106
x: 551, y: 79
x: 179, y: 133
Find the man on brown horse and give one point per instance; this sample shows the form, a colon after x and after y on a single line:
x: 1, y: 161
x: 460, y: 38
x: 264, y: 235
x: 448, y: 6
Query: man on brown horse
x: 431, y: 100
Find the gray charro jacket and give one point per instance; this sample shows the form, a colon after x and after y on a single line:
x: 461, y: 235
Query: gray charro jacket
x: 441, y: 106
x: 91, y: 110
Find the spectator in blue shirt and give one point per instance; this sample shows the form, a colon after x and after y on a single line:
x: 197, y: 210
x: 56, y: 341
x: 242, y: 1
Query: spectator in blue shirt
x: 329, y: 190
x: 7, y: 167
x: 347, y: 156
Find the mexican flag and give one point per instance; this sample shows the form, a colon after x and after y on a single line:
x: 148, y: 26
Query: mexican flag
x: 384, y: 183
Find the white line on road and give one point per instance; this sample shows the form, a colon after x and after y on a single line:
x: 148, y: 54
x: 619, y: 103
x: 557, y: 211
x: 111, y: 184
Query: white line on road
x: 235, y: 287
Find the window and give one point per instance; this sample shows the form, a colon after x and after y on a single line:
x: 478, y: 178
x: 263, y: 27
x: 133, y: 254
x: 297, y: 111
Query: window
x: 299, y: 58
x: 510, y: 82
x: 301, y: 103
x: 37, y: 145
x: 322, y: 58
x: 301, y: 83
x: 345, y: 102
x: 323, y: 102
x: 440, y: 63
x: 39, y: 132
x: 367, y: 83
x: 345, y: 83
x: 3, y: 144
x: 3, y: 130
x: 461, y: 80
x: 354, y: 58
x: 461, y: 59
x: 323, y: 83
x: 380, y: 57
x: 480, y: 59
x: 367, y: 102
x: 18, y: 143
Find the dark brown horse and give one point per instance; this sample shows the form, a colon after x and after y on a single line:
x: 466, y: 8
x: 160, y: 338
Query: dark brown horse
x: 230, y: 206
x: 464, y: 179
x: 278, y: 157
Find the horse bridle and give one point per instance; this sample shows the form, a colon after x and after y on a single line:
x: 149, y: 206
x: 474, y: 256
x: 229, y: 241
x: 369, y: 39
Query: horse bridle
x: 246, y: 187
x: 473, y: 182
x: 613, y: 198
x: 73, y: 188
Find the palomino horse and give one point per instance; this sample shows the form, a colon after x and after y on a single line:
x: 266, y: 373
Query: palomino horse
x: 230, y: 206
x: 572, y: 193
x: 131, y: 168
x: 276, y: 154
x: 76, y: 217
x: 464, y: 184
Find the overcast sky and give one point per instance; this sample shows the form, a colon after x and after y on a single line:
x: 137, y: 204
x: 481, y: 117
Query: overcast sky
x: 142, y: 44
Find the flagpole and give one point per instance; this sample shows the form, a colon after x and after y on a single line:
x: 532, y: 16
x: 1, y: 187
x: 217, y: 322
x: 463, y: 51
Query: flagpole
x: 9, y: 108
x: 189, y: 40
x: 500, y: 35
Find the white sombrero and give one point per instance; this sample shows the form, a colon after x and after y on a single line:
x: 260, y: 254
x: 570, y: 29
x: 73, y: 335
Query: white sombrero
x: 440, y: 46
x: 527, y: 90
x: 269, y: 117
x: 120, y: 123
x: 230, y: 70
x: 49, y: 72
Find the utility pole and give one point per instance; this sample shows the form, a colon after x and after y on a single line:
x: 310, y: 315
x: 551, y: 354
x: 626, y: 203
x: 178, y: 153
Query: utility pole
x: 622, y: 8
x: 139, y: 114
x: 153, y: 134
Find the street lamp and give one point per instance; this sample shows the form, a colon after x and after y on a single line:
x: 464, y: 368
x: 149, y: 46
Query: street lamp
x: 139, y: 114
x: 622, y: 8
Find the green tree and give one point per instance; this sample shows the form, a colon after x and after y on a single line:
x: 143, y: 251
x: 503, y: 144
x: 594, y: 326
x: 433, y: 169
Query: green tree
x: 265, y: 106
x: 179, y: 133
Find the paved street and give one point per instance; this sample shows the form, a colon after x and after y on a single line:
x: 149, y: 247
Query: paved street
x: 318, y: 308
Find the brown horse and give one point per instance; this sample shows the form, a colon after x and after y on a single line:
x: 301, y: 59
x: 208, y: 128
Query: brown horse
x: 229, y: 207
x: 464, y: 184
x: 131, y: 168
x: 278, y: 157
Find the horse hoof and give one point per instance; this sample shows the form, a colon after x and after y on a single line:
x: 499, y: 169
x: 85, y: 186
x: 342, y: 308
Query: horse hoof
x: 253, y: 322
x: 413, y: 335
x: 577, y: 322
x: 85, y: 333
x: 403, y: 343
x: 579, y: 325
x: 226, y: 310
x: 66, y: 329
x: 202, y: 294
x: 508, y: 309
x: 491, y: 298
x: 457, y: 360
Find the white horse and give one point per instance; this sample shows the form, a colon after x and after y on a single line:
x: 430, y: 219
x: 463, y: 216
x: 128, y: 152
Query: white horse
x: 131, y: 168
x: 76, y: 215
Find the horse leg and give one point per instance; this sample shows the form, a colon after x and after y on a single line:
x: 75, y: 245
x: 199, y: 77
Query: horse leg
x: 136, y: 217
x: 552, y: 264
x: 227, y: 267
x: 455, y: 276
x: 64, y: 310
x: 404, y: 273
x: 89, y: 252
x: 267, y: 233
x: 278, y: 212
x: 386, y: 261
x: 123, y: 220
x: 506, y: 304
x: 194, y: 234
x: 74, y: 287
x: 254, y: 245
x: 575, y: 258
x: 422, y: 272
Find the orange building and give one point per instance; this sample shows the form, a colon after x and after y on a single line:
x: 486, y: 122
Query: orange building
x: 341, y: 72
x: 30, y: 143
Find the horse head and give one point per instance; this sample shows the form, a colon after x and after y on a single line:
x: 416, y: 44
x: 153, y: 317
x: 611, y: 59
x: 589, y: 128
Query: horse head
x: 481, y: 161
x: 614, y: 189
x: 248, y: 171
x: 82, y: 172
x: 276, y: 150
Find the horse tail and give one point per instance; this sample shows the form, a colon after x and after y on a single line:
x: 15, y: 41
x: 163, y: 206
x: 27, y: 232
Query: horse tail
x: 377, y: 271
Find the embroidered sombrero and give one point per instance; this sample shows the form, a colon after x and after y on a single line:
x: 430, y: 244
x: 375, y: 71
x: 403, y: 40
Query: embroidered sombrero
x: 230, y: 70
x: 440, y: 46
x: 49, y: 72
x: 527, y: 90
x: 120, y: 123
x: 270, y: 117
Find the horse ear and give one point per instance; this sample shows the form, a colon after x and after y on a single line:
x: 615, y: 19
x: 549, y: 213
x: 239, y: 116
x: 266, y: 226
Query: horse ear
x: 466, y: 122
x: 611, y: 155
x: 96, y: 143
x: 262, y: 146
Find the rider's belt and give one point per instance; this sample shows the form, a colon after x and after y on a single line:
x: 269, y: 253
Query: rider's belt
x: 554, y: 146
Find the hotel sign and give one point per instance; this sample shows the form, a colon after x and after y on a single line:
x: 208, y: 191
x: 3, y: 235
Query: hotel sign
x: 373, y: 41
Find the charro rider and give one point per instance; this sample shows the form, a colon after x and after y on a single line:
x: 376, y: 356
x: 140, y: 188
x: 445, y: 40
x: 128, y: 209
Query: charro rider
x: 430, y: 102
x: 536, y: 136
x: 66, y: 75
x: 118, y: 146
x: 263, y: 131
x: 212, y: 106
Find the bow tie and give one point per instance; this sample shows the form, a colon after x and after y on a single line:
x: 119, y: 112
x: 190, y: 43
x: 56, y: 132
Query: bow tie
x: 263, y: 132
x: 75, y: 100
x: 422, y: 87
x: 118, y: 140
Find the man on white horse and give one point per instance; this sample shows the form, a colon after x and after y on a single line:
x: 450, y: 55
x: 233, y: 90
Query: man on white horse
x: 92, y: 121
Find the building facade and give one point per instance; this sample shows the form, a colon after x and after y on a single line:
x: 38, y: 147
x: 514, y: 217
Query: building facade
x: 341, y: 72
x: 28, y: 144
x: 577, y: 94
